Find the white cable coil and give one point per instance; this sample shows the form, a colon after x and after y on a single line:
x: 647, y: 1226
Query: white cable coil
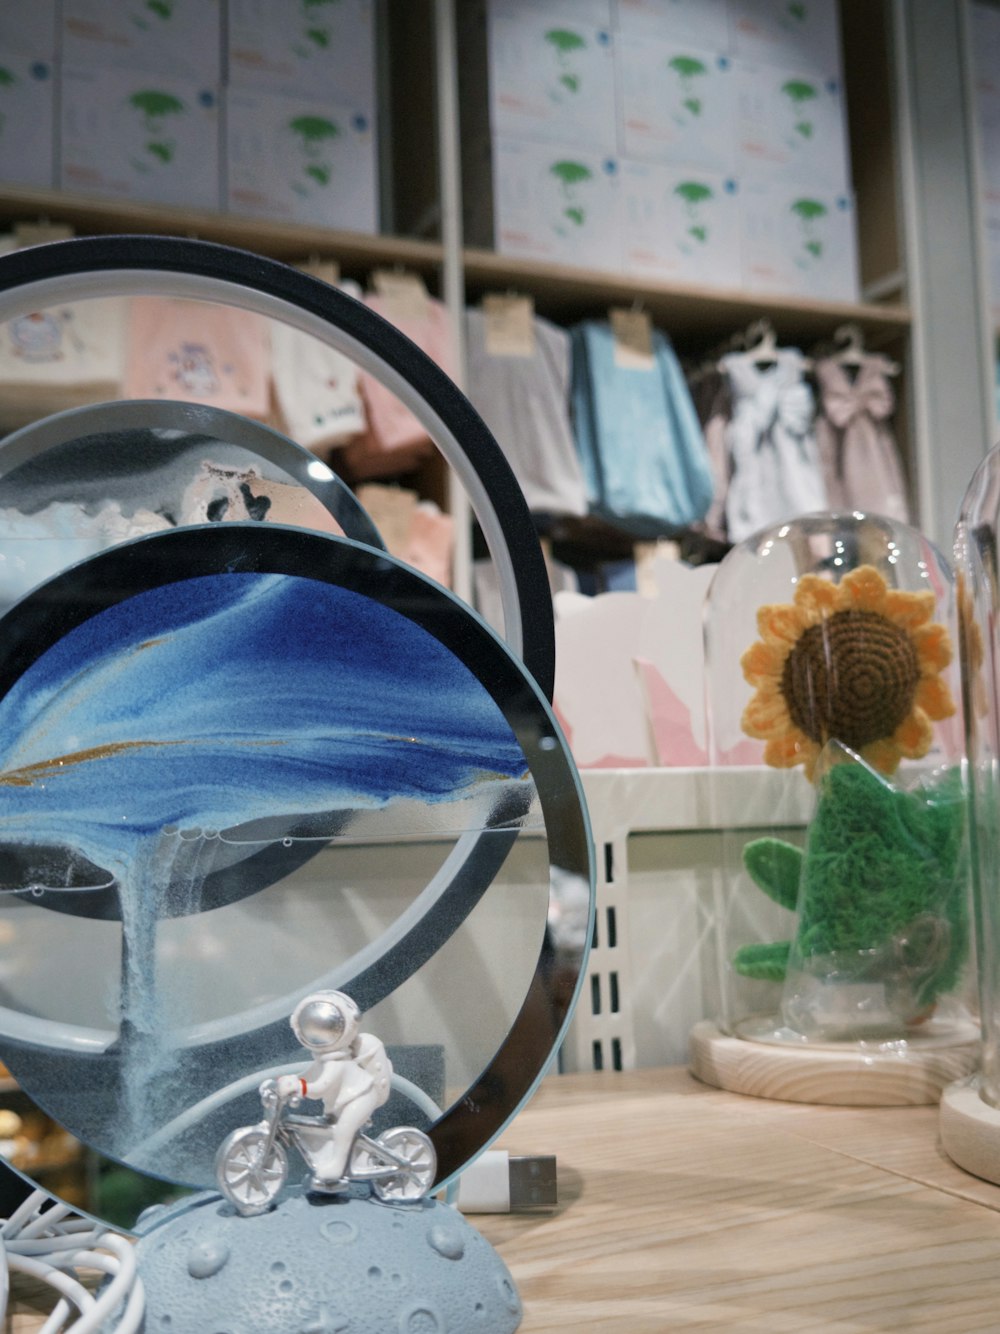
x: 53, y: 1246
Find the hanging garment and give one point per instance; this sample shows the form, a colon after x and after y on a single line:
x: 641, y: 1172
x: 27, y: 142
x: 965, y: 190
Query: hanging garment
x: 316, y: 387
x: 713, y: 404
x: 395, y: 442
x: 198, y: 352
x: 860, y: 459
x: 772, y: 445
x: 524, y: 400
x: 641, y: 448
x: 61, y: 357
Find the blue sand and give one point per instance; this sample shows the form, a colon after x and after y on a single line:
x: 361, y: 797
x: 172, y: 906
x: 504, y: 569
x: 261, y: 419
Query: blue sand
x: 220, y: 700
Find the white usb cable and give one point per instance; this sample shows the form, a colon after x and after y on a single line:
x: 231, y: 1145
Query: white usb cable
x: 55, y: 1247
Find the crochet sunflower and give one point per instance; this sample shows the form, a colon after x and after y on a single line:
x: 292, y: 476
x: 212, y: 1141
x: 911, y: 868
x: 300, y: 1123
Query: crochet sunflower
x: 883, y: 873
x: 856, y: 662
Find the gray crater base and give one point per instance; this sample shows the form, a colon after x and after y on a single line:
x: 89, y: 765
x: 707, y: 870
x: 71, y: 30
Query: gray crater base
x: 321, y: 1266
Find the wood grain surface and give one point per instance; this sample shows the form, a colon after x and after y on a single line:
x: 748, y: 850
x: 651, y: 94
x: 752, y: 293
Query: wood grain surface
x: 686, y: 1208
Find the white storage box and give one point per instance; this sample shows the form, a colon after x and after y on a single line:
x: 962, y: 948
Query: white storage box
x: 182, y: 38
x: 791, y: 126
x: 704, y: 23
x: 681, y: 224
x: 301, y: 161
x: 325, y: 53
x: 556, y: 203
x: 28, y: 27
x: 676, y: 103
x: 780, y: 33
x: 550, y: 72
x: 134, y: 135
x: 27, y: 120
x: 799, y: 242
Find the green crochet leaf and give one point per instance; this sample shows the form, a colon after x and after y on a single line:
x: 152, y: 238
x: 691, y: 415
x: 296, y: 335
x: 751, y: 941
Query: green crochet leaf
x: 765, y: 963
x: 775, y: 867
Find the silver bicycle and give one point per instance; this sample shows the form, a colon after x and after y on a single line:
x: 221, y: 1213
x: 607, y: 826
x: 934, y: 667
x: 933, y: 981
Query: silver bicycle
x: 251, y: 1165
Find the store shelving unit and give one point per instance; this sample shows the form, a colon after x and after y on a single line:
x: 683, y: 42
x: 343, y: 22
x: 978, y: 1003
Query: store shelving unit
x: 424, y: 124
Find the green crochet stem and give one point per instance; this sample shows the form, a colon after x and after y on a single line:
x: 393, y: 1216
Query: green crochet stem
x: 883, y: 870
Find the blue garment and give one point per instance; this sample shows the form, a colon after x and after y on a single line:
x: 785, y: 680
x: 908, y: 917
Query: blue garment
x: 641, y: 446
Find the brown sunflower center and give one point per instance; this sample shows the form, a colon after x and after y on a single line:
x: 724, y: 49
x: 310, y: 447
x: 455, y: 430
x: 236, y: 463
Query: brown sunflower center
x: 852, y: 677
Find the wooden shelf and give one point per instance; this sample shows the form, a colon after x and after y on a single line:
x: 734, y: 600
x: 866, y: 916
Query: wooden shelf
x: 561, y: 292
x: 281, y: 240
x: 565, y: 293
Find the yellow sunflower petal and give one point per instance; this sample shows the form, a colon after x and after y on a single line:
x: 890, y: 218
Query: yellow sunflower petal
x: 909, y: 610
x: 794, y: 748
x: 763, y: 662
x: 933, y: 645
x: 766, y: 715
x: 863, y: 588
x: 816, y: 597
x: 934, y: 697
x: 779, y: 623
x: 914, y: 735
x: 882, y: 755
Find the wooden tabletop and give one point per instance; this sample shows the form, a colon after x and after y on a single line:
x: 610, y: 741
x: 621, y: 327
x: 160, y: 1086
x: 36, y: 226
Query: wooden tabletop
x: 684, y: 1208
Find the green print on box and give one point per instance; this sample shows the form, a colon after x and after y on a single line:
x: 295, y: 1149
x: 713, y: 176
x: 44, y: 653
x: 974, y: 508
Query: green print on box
x: 570, y: 175
x: 695, y: 194
x: 161, y: 9
x: 154, y: 107
x: 317, y: 36
x: 687, y: 69
x: 810, y: 211
x: 565, y: 43
x: 314, y: 133
x: 800, y: 94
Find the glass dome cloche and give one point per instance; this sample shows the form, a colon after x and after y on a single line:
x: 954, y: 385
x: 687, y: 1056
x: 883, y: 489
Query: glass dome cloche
x: 841, y: 907
x: 970, y: 1108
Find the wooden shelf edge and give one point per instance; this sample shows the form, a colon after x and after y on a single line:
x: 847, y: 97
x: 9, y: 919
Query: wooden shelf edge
x: 282, y: 240
x: 561, y: 290
x: 691, y: 306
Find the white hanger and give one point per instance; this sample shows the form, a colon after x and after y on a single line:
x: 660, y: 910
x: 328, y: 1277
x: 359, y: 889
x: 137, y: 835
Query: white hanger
x: 762, y: 343
x: 849, y: 340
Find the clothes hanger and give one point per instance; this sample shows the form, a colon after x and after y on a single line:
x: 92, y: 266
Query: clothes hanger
x: 762, y: 343
x: 849, y: 345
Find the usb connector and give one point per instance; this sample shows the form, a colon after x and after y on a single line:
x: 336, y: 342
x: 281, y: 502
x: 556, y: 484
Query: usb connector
x: 497, y: 1183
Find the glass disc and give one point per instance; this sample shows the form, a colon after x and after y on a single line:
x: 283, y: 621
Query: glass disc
x: 176, y: 707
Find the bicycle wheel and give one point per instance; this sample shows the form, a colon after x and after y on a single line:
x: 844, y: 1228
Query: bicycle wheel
x: 246, y: 1178
x: 413, y: 1181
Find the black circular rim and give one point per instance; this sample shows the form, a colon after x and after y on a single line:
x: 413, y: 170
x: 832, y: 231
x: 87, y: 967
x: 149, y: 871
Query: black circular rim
x: 212, y: 261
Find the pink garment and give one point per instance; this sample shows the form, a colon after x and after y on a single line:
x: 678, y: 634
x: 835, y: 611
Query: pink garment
x: 395, y: 442
x: 429, y: 543
x: 858, y: 451
x: 197, y: 352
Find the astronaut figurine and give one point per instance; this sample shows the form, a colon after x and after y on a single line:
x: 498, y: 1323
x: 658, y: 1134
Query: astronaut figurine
x: 351, y: 1075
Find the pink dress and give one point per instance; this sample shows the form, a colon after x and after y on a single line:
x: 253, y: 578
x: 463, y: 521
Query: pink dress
x: 395, y: 442
x: 858, y: 451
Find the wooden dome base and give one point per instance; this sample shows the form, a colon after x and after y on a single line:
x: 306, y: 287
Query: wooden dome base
x: 842, y: 1075
x: 970, y: 1130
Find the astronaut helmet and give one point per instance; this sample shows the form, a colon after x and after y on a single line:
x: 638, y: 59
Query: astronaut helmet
x: 326, y: 1021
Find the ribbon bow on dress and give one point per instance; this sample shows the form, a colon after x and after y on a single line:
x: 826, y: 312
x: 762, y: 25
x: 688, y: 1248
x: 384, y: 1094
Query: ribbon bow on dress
x: 858, y: 451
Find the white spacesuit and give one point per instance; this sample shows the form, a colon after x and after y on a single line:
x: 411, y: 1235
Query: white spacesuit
x: 351, y: 1075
